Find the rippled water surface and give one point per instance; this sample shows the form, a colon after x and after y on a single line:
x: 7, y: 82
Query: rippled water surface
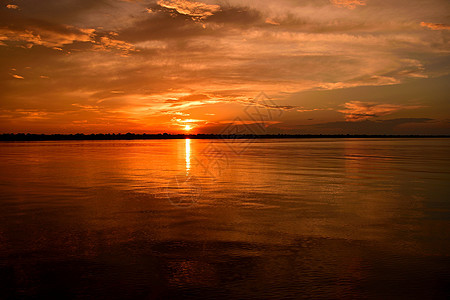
x: 264, y: 219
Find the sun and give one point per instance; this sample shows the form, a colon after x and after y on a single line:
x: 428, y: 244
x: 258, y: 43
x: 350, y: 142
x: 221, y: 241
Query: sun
x: 187, y: 127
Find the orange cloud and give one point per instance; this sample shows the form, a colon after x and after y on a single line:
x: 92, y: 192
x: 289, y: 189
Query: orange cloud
x: 271, y: 21
x: 435, y: 26
x: 196, y: 10
x: 12, y: 6
x: 358, y: 111
x: 107, y: 43
x: 351, y: 4
x: 175, y: 113
x: 47, y: 38
x: 63, y: 35
x: 186, y: 123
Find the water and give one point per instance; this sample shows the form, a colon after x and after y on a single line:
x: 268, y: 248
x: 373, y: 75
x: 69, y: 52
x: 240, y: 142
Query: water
x: 265, y: 219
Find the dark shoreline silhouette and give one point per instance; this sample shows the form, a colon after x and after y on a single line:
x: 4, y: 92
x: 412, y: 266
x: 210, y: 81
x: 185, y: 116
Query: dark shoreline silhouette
x: 132, y: 136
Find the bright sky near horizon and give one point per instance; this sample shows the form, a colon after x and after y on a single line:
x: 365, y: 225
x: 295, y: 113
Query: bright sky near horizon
x: 261, y: 66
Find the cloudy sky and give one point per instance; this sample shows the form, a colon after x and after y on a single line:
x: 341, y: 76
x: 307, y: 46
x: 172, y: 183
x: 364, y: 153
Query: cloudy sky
x: 263, y: 66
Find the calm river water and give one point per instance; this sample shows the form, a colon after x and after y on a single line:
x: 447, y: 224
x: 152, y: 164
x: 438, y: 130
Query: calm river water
x: 221, y: 219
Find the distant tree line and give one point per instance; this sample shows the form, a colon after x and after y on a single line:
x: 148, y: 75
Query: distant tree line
x: 133, y: 136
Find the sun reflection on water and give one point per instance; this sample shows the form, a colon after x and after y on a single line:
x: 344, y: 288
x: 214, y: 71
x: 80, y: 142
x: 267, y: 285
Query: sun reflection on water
x: 188, y: 155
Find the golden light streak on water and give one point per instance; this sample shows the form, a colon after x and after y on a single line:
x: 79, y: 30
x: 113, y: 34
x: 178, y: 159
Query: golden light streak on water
x: 188, y: 155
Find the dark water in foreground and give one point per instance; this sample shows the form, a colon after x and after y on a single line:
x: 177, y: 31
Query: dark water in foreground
x: 270, y: 219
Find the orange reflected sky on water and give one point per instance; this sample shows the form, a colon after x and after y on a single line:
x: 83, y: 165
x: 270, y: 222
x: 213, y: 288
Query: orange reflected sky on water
x: 283, y: 210
x: 321, y: 181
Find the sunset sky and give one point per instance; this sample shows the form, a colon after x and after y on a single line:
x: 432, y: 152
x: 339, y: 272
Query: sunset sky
x: 285, y: 66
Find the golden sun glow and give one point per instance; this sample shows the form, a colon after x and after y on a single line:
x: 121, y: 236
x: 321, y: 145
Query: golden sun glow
x: 187, y: 127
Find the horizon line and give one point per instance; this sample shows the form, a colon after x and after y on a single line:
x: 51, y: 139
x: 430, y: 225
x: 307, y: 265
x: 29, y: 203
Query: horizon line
x: 144, y: 136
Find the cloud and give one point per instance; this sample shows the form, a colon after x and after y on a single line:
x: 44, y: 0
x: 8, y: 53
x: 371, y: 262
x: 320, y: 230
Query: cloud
x: 375, y: 80
x: 107, y: 43
x: 357, y: 110
x: 193, y: 97
x: 47, y: 37
x: 12, y: 6
x: 186, y: 101
x: 191, y: 123
x: 435, y: 26
x: 271, y: 21
x: 302, y: 110
x: 25, y: 114
x: 175, y: 113
x: 63, y: 35
x: 276, y: 107
x: 196, y: 10
x: 351, y: 4
x: 18, y: 76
